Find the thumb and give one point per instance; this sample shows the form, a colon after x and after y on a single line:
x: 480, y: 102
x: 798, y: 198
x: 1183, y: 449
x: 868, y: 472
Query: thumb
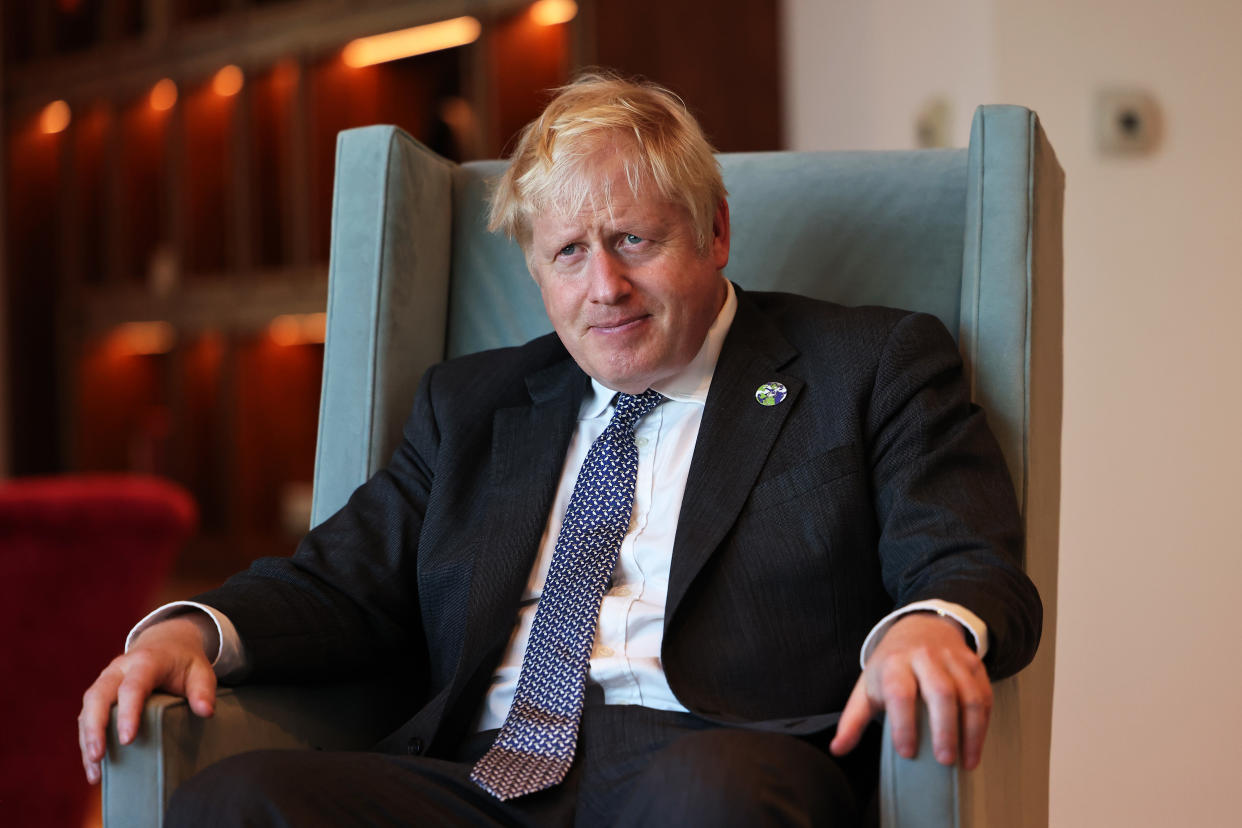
x: 854, y: 718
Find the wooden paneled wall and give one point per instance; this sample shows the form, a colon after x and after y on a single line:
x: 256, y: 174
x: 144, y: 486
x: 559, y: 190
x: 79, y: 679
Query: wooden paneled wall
x: 721, y: 56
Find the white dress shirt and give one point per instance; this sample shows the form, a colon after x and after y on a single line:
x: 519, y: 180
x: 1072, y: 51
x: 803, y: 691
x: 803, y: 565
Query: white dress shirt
x: 625, y: 660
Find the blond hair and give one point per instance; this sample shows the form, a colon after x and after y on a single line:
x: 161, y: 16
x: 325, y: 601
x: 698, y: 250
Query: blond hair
x: 658, y: 140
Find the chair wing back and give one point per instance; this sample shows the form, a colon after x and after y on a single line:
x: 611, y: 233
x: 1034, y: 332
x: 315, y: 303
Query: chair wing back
x: 387, y: 289
x: 856, y: 228
x: 971, y: 236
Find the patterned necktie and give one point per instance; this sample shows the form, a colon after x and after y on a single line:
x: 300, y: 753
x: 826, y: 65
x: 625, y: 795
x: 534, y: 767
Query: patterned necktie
x: 535, y: 747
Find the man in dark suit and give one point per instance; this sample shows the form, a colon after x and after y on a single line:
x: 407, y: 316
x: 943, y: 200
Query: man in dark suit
x: 803, y: 469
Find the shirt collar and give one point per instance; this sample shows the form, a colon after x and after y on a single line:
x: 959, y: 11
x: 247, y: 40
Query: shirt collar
x: 692, y: 382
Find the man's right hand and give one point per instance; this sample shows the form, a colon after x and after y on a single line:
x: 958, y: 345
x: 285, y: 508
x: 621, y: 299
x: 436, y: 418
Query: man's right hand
x: 169, y: 656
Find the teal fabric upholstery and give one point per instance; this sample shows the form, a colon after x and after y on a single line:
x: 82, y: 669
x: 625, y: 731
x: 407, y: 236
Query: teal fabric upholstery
x: 972, y: 236
x: 819, y: 224
x: 385, y: 284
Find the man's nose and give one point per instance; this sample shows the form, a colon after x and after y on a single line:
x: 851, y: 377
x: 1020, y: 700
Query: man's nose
x: 609, y: 278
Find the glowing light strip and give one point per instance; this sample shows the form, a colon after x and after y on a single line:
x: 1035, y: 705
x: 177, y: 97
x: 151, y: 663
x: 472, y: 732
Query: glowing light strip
x: 367, y: 51
x: 553, y: 12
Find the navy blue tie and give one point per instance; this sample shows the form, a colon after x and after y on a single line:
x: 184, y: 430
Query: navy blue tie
x: 535, y: 746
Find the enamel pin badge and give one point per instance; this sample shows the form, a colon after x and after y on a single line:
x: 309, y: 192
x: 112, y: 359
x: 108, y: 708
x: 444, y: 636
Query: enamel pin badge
x: 770, y: 393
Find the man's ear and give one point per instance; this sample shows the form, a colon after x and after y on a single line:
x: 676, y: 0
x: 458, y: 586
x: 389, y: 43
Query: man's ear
x: 718, y: 247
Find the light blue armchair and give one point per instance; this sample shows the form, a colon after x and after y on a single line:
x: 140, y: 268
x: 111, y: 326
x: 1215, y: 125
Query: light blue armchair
x: 972, y: 236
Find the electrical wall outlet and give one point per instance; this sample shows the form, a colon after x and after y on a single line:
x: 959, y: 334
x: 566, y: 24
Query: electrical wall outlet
x: 1127, y: 122
x: 933, y: 125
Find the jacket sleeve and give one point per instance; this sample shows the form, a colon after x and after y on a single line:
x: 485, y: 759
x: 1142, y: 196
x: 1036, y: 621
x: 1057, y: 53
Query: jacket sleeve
x: 347, y: 600
x: 948, y: 517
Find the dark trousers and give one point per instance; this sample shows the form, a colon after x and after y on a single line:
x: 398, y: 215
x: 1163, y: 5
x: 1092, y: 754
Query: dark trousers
x: 634, y: 767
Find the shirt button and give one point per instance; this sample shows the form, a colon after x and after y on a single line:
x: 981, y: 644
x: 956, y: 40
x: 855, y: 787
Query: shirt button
x: 606, y: 652
x: 414, y: 747
x: 641, y: 442
x: 621, y: 591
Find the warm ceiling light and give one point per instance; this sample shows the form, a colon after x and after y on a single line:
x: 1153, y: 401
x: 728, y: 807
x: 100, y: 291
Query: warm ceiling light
x: 553, y: 12
x: 228, y: 81
x: 143, y: 338
x: 163, y: 95
x: 419, y: 40
x: 54, y: 117
x: 298, y: 328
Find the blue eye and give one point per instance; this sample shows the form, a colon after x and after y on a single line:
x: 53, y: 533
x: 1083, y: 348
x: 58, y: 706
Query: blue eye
x: 568, y: 250
x: 630, y: 238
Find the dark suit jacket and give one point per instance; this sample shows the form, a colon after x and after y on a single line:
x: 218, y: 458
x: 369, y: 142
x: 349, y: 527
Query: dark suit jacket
x: 875, y: 483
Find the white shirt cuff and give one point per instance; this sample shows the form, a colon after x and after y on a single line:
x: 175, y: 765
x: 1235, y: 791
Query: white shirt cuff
x: 230, y: 656
x: 946, y: 609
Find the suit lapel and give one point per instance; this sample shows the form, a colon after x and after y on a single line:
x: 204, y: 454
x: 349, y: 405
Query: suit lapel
x: 735, y: 438
x: 528, y: 451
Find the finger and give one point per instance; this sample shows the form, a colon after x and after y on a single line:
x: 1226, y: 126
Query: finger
x: 141, y: 678
x: 899, y: 690
x: 974, y: 692
x: 96, y: 705
x: 939, y: 690
x: 200, y: 688
x: 854, y: 718
x: 93, y: 720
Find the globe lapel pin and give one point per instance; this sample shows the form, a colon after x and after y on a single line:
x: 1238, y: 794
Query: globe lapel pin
x: 770, y: 393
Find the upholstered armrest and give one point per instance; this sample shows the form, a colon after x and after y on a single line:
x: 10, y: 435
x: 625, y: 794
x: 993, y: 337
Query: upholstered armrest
x: 173, y: 744
x: 918, y: 792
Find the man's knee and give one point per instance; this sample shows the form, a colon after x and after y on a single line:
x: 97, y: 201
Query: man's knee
x: 256, y: 788
x: 309, y: 787
x: 738, y: 777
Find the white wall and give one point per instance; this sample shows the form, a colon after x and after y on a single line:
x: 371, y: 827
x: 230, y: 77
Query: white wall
x: 856, y: 72
x: 1149, y: 670
x: 1147, y: 721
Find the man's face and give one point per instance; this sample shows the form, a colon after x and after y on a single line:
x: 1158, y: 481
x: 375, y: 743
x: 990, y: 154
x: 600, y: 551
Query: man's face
x: 626, y: 288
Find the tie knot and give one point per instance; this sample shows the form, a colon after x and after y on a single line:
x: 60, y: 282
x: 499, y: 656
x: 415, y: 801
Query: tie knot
x: 631, y: 407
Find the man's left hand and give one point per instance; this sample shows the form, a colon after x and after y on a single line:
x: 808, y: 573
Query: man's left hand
x: 922, y: 654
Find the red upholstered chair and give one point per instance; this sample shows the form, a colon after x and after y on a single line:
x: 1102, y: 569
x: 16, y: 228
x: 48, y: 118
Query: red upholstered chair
x: 80, y: 558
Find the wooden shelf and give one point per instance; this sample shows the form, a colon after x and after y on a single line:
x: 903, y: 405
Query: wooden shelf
x: 208, y: 303
x: 250, y: 35
x: 213, y: 215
